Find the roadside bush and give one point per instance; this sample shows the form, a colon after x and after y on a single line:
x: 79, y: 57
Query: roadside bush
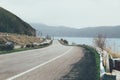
x: 61, y: 39
x: 65, y: 42
x: 6, y: 47
x: 28, y: 45
x: 22, y: 46
x: 45, y: 44
x: 1, y: 46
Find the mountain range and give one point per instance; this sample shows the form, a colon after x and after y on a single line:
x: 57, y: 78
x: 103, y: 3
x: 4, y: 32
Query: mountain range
x: 62, y: 31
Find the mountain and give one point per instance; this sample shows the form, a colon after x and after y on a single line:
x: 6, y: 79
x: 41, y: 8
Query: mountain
x: 62, y: 31
x: 55, y: 31
x: 10, y: 23
x: 110, y: 32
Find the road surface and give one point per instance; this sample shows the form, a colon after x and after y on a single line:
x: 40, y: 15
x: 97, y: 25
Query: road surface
x: 50, y: 63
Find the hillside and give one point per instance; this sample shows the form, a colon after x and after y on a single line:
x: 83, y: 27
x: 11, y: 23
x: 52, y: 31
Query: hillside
x: 10, y: 23
x: 61, y: 31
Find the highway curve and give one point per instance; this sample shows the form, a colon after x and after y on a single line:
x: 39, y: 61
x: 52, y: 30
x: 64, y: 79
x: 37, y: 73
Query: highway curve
x: 50, y: 63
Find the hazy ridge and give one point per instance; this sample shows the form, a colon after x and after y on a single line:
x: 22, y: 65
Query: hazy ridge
x: 62, y: 31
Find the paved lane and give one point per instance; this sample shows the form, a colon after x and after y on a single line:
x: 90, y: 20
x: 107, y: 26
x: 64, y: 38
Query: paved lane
x: 48, y: 63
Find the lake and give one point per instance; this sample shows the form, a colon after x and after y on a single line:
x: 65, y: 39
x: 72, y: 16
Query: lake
x: 114, y: 43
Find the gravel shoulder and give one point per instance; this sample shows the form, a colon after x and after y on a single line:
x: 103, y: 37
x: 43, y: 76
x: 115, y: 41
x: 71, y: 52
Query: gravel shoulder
x: 84, y: 69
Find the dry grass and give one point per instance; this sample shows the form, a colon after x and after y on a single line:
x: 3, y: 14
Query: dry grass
x: 19, y: 39
x: 113, y: 54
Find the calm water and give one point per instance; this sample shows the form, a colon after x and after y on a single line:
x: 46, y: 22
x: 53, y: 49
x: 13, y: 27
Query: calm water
x: 114, y: 43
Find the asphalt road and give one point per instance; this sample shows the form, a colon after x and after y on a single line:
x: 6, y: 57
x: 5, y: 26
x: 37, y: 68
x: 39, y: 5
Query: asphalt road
x: 50, y: 63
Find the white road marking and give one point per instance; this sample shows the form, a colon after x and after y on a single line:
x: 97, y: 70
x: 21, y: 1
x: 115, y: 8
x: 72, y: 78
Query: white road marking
x: 18, y: 75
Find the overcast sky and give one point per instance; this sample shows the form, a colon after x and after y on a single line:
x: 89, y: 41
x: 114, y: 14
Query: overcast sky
x: 73, y: 13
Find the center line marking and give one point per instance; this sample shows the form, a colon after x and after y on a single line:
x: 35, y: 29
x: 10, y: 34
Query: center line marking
x: 18, y: 75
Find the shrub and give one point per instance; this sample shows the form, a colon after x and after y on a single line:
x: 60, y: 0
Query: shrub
x: 28, y: 45
x: 62, y: 41
x: 22, y: 46
x: 7, y: 47
x: 100, y: 41
x: 65, y: 42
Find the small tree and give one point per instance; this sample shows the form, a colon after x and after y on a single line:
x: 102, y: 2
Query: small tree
x: 100, y: 41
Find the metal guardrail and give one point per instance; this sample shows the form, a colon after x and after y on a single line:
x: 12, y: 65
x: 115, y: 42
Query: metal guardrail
x: 113, y: 64
x: 116, y: 63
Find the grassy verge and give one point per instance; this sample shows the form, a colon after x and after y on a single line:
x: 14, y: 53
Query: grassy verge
x: 15, y: 50
x: 24, y: 49
x: 96, y: 58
